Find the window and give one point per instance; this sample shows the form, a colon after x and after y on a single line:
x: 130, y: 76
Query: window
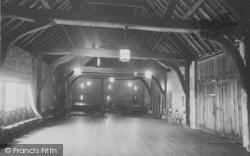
x: 13, y: 95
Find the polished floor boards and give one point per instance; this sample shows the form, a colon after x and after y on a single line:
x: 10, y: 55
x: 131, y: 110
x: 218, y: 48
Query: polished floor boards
x: 124, y: 135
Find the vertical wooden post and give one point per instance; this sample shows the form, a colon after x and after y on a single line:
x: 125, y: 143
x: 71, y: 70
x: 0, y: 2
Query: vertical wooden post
x: 143, y: 96
x: 39, y: 82
x: 165, y: 88
x: 196, y: 92
x: 102, y: 100
x: 65, y: 92
x: 151, y: 97
x: 187, y: 92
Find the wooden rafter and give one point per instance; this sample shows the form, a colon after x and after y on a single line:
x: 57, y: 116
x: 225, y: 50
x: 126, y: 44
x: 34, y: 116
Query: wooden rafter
x: 190, y: 11
x: 148, y: 8
x: 158, y: 42
x: 146, y: 85
x: 237, y: 60
x: 134, y: 4
x: 158, y: 84
x: 67, y: 36
x: 68, y: 18
x: 46, y: 4
x: 193, y: 9
x: 170, y: 9
x: 33, y: 37
x: 13, y: 37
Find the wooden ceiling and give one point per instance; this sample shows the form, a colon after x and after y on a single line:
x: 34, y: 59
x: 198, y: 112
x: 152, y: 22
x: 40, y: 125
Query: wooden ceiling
x: 154, y: 29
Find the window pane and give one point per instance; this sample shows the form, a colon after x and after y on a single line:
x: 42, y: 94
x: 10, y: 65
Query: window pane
x: 10, y: 96
x: 13, y: 95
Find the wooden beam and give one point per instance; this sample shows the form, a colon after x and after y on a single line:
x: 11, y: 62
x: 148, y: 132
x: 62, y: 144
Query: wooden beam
x: 129, y: 3
x: 107, y: 53
x: 84, y: 62
x: 13, y: 37
x: 67, y: 36
x: 68, y: 18
x: 159, y: 42
x: 62, y: 86
x: 62, y: 83
x: 53, y: 67
x: 193, y: 9
x: 158, y: 84
x: 187, y: 93
x: 178, y: 72
x: 38, y: 61
x: 148, y: 8
x: 111, y: 71
x: 170, y: 9
x: 146, y: 85
x: 46, y: 4
x: 239, y: 65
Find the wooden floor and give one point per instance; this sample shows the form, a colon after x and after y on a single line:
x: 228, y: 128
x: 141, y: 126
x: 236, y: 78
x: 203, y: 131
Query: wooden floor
x: 124, y: 135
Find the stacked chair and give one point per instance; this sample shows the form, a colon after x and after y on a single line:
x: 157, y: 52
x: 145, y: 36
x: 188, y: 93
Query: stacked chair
x: 177, y: 117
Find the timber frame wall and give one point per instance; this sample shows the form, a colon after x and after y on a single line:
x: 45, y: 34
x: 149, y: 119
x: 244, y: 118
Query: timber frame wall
x: 219, y: 97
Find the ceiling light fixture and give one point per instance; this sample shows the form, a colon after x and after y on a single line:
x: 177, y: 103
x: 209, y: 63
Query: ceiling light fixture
x: 77, y: 71
x: 135, y: 88
x: 89, y: 83
x: 130, y: 84
x: 111, y: 79
x: 148, y: 74
x: 124, y: 55
x: 82, y: 85
x: 98, y: 62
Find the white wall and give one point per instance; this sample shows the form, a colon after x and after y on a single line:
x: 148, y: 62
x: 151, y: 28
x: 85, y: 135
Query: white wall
x: 178, y: 95
x: 174, y: 86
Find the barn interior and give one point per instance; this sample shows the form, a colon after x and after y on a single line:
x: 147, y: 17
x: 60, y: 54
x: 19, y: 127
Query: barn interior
x: 126, y: 77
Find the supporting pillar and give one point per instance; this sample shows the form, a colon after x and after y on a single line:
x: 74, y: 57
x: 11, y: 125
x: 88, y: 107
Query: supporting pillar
x: 151, y: 98
x: 39, y: 82
x: 165, y: 96
x: 187, y: 93
x: 196, y: 92
x: 102, y: 99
